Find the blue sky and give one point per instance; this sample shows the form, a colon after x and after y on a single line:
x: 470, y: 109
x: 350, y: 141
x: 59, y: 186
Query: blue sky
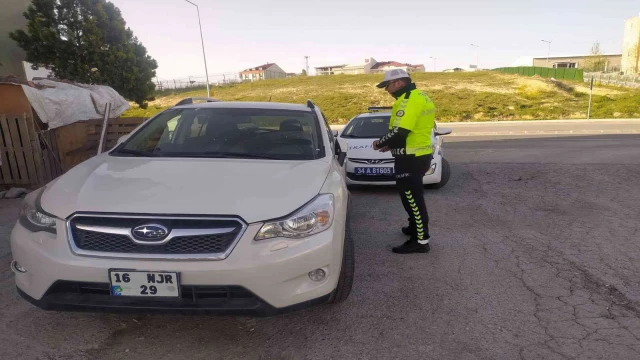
x: 243, y: 33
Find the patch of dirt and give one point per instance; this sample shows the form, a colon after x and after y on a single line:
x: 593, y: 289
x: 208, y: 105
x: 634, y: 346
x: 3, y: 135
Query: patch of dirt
x: 466, y: 86
x: 597, y: 90
x: 534, y: 84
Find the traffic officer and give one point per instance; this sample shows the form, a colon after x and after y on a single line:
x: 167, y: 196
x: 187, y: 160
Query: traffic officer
x: 409, y: 140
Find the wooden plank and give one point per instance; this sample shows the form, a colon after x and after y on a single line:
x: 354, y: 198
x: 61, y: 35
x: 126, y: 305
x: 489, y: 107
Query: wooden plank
x: 18, y: 149
x: 4, y: 168
x: 28, y: 151
x: 46, y: 157
x: 37, y: 151
x: 96, y: 137
x: 10, y: 155
x: 56, y: 157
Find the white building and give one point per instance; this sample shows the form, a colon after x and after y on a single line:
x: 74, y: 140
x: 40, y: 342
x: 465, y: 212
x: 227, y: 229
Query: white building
x: 631, y: 46
x: 262, y: 72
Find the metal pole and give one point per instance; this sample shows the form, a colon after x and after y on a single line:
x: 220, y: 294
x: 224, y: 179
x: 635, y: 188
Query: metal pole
x: 590, y: 95
x: 434, y: 63
x: 105, y: 125
x: 548, y: 50
x: 202, y: 40
x: 476, y: 46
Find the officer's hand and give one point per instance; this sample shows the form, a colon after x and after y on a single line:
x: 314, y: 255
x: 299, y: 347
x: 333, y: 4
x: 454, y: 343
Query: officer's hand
x: 375, y: 145
x: 384, y: 149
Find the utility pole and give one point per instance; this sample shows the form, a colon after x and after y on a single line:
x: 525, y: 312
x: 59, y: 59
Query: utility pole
x: 434, y: 62
x: 476, y: 46
x: 548, y: 50
x: 306, y: 60
x: 202, y: 40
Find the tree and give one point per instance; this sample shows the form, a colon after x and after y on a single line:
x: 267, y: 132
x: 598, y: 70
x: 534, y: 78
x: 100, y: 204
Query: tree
x: 595, y: 61
x: 87, y: 41
x: 304, y: 72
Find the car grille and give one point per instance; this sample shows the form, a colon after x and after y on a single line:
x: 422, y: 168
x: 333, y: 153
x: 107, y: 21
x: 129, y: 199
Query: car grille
x: 108, y: 235
x: 371, y: 178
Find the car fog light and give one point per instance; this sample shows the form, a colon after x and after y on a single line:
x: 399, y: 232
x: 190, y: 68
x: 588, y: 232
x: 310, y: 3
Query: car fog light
x: 317, y: 275
x: 17, y: 267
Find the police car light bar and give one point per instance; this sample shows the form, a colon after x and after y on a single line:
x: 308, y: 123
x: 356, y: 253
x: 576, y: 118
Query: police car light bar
x: 377, y: 108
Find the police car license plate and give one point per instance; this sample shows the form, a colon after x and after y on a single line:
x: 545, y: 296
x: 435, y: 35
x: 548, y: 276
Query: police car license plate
x: 374, y: 171
x: 144, y: 283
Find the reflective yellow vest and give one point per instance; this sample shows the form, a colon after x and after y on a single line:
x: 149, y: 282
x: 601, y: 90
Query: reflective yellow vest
x: 415, y: 112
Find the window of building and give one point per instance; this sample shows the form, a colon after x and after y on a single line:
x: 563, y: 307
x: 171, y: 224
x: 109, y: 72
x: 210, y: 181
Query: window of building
x: 565, y: 65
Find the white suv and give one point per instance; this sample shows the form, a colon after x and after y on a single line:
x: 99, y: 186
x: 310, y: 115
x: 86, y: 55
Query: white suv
x: 222, y: 206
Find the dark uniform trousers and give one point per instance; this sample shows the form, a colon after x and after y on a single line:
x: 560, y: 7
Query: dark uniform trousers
x: 409, y: 171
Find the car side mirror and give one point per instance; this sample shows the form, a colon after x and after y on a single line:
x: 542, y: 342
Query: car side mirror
x: 444, y: 131
x: 335, y: 133
x: 341, y: 150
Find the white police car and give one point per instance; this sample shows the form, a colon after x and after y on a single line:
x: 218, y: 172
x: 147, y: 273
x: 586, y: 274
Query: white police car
x: 366, y: 166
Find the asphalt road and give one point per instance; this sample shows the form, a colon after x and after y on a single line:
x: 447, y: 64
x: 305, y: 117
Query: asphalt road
x: 535, y: 255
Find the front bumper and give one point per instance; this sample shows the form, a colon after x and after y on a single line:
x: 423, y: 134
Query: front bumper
x: 259, y: 277
x: 353, y: 179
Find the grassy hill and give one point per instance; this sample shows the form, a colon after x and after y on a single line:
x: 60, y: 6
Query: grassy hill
x: 478, y: 96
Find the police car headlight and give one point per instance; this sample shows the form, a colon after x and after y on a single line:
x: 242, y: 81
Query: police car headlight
x: 432, y: 169
x: 313, y: 218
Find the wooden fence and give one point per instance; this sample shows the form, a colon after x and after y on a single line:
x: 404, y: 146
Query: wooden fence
x: 31, y: 158
x: 79, y: 141
x: 28, y: 156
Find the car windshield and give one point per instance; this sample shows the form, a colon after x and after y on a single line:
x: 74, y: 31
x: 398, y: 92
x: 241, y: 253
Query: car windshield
x: 228, y: 133
x: 367, y: 127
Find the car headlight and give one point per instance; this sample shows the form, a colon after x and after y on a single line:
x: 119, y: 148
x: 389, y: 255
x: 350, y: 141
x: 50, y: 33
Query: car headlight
x: 432, y: 169
x: 315, y: 217
x: 34, y: 219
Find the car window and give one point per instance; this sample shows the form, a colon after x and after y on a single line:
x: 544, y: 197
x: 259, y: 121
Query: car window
x: 367, y: 127
x: 219, y: 132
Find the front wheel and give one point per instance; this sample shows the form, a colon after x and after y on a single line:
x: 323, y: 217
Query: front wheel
x: 444, y: 177
x: 345, y: 281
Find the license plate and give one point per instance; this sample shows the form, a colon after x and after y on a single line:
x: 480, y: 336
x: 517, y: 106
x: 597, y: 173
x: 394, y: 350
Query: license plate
x: 374, y: 171
x: 144, y: 283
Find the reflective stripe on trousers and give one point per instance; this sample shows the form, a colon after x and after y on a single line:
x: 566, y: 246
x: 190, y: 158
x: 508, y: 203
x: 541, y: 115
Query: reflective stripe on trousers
x: 417, y: 219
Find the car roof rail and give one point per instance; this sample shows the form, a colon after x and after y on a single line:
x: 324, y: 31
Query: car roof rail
x: 310, y: 104
x: 379, y: 108
x: 190, y: 100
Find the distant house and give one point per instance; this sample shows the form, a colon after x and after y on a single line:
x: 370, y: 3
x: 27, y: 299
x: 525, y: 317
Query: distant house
x: 391, y: 65
x: 611, y: 62
x: 330, y: 70
x: 369, y: 66
x: 360, y: 68
x: 262, y: 72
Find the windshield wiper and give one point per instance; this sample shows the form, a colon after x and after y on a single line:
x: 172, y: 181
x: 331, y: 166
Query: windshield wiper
x: 223, y: 154
x: 135, y: 152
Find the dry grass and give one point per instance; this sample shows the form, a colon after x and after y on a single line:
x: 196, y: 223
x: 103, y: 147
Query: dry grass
x: 458, y: 96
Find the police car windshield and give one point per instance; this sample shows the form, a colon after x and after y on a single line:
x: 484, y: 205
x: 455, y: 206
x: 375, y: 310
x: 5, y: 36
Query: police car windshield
x: 228, y: 133
x: 367, y: 127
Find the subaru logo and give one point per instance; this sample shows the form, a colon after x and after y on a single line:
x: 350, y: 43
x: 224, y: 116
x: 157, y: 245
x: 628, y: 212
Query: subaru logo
x: 150, y: 232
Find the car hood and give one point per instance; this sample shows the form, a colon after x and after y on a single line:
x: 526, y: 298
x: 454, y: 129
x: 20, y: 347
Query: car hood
x: 363, y: 149
x: 255, y: 190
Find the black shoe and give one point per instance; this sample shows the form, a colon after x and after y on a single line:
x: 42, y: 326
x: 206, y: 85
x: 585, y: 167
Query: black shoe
x: 406, y: 230
x: 411, y: 246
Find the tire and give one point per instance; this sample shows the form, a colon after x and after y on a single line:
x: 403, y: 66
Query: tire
x: 345, y: 281
x: 444, y: 178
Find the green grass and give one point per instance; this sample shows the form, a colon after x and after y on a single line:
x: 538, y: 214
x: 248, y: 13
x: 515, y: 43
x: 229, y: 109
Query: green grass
x: 480, y: 96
